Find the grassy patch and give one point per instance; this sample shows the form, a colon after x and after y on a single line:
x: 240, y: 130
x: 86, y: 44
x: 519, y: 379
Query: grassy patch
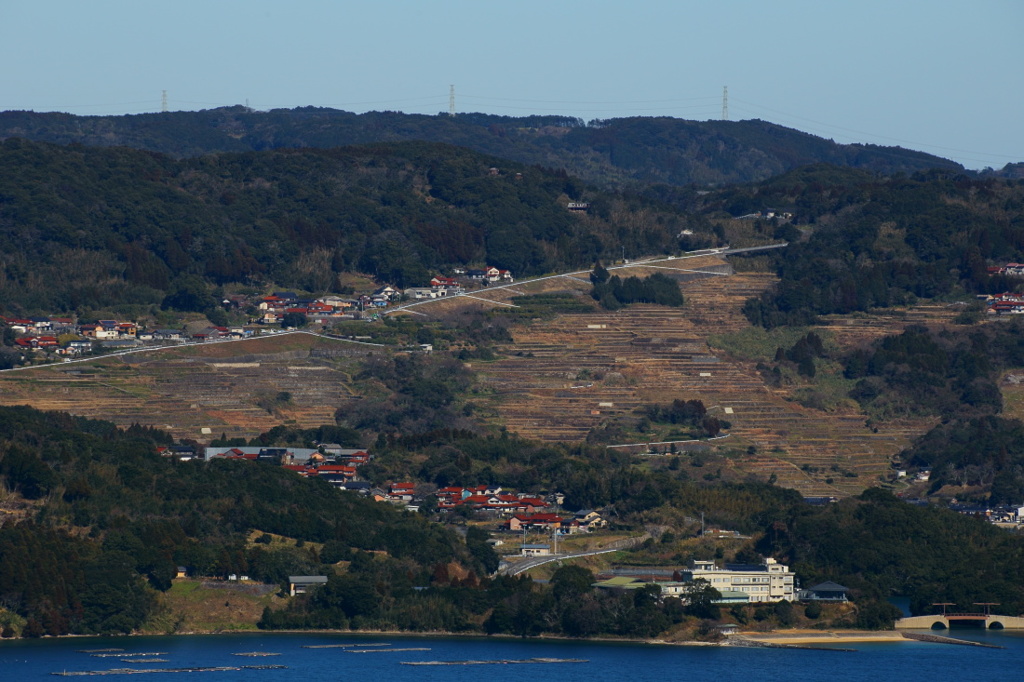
x: 829, y: 390
x: 1013, y: 397
x: 546, y: 306
x: 196, y: 606
x: 757, y: 344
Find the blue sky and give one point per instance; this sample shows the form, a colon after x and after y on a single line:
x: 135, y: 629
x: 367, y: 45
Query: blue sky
x: 942, y: 76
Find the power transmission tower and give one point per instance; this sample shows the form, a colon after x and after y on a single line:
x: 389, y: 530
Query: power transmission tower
x: 725, y: 102
x: 163, y: 102
x: 451, y: 100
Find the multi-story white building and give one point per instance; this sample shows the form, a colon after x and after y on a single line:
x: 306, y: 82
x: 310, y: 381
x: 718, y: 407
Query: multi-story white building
x: 767, y: 582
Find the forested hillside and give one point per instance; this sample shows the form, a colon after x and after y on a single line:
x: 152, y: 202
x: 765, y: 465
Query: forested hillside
x: 105, y: 520
x: 88, y: 228
x: 96, y: 521
x: 860, y: 242
x: 611, y: 152
x: 109, y: 520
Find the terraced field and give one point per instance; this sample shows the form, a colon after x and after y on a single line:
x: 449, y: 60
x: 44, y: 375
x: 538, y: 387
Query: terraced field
x: 557, y: 381
x: 562, y: 378
x: 199, y: 392
x: 859, y: 329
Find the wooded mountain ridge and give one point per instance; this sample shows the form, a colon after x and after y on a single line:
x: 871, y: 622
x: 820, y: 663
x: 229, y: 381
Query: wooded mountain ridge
x: 613, y: 152
x: 98, y: 227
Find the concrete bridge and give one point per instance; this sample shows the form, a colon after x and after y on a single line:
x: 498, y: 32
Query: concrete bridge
x: 942, y: 621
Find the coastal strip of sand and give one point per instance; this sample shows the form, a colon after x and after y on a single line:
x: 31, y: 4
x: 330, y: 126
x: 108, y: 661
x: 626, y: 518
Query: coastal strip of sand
x: 820, y: 637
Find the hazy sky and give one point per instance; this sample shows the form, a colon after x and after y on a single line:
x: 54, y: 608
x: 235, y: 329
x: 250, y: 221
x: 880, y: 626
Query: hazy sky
x: 942, y: 76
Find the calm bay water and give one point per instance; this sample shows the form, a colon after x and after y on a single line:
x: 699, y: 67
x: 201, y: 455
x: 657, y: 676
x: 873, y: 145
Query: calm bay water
x: 37, y: 659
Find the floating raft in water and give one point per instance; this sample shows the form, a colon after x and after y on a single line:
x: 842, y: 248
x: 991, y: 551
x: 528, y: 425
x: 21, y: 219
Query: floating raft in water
x: 256, y: 653
x: 132, y: 653
x: 146, y: 671
x: 386, y: 651
x: 338, y: 646
x: 500, y: 662
x: 97, y: 651
x: 144, y: 660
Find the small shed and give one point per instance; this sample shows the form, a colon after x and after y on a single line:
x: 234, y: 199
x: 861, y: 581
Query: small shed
x: 535, y: 550
x: 300, y: 584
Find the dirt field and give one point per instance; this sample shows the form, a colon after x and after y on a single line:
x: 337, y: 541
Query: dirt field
x: 200, y: 392
x: 556, y: 381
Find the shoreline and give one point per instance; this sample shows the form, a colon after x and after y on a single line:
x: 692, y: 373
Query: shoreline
x: 776, y: 638
x: 822, y: 637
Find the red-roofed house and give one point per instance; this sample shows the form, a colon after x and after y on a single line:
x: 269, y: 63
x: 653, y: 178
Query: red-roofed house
x: 534, y: 522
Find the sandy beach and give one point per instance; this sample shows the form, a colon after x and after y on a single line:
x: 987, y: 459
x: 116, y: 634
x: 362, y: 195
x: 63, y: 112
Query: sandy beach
x: 831, y: 637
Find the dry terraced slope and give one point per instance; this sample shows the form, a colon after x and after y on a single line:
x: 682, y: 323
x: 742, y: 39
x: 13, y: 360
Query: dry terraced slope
x: 184, y: 391
x: 561, y: 378
x: 546, y: 387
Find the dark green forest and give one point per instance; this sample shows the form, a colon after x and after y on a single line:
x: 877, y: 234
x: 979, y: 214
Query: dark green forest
x: 86, y: 228
x: 864, y: 242
x: 614, y: 152
x: 113, y: 519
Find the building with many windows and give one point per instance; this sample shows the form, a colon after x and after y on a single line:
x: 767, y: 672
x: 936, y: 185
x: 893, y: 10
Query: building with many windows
x: 766, y: 582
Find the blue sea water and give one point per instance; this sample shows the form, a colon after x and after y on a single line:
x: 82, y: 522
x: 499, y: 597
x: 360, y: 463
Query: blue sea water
x: 906, y: 661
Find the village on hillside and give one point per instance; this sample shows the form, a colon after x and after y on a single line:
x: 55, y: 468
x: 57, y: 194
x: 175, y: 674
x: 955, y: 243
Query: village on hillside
x: 45, y: 338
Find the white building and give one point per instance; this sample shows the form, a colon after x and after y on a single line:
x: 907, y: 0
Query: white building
x: 535, y: 550
x: 767, y: 582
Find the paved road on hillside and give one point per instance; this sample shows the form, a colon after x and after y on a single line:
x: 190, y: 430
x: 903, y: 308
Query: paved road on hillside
x: 659, y: 263
x: 533, y: 562
x: 185, y: 344
x: 650, y: 262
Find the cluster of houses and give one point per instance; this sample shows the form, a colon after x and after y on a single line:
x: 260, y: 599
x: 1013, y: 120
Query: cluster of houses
x: 441, y: 286
x: 767, y: 214
x: 582, y: 521
x: 337, y: 466
x: 489, y: 499
x: 330, y: 462
x: 1006, y: 515
x: 65, y: 337
x: 1004, y: 304
x: 1010, y: 270
x: 273, y: 308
